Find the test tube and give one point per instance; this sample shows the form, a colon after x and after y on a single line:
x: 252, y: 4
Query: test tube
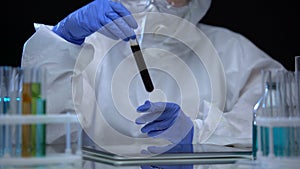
x: 268, y: 93
x: 282, y: 99
x: 2, y: 136
x: 138, y: 56
x: 39, y: 100
x: 266, y: 111
x: 17, y: 92
x: 7, y: 83
x: 35, y: 87
x: 297, y: 79
x: 291, y: 114
x: 26, y: 110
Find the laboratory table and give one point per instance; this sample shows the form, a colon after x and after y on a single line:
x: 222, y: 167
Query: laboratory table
x: 182, y: 157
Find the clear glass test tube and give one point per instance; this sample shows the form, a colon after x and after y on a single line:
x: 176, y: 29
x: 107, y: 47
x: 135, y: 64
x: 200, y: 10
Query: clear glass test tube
x: 265, y: 112
x: 2, y: 136
x: 297, y: 79
x: 297, y: 102
x: 270, y: 110
x: 7, y: 109
x: 17, y: 106
x: 268, y: 94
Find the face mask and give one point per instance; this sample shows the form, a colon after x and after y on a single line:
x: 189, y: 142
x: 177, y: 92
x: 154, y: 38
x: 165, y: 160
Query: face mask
x: 138, y: 6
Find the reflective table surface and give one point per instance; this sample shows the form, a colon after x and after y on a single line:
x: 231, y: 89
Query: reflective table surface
x: 169, y: 157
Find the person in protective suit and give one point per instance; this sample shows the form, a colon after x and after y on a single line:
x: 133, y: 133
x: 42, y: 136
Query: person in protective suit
x: 206, y: 78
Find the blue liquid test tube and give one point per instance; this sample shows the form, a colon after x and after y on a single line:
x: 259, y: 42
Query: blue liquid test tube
x: 39, y: 105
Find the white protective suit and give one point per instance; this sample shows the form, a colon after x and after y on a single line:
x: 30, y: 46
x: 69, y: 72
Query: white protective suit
x: 99, y: 79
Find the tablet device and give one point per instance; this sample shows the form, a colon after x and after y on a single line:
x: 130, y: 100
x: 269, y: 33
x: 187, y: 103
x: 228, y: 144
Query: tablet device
x: 178, y: 154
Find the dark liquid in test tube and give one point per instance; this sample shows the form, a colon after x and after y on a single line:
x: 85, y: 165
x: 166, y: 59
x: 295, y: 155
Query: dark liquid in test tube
x: 138, y: 56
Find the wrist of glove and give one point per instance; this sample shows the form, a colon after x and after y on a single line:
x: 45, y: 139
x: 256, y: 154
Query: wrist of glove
x: 111, y: 19
x: 165, y: 120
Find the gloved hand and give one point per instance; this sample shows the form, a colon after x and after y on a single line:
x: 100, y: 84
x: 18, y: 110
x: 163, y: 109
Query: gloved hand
x: 109, y: 18
x: 166, y: 120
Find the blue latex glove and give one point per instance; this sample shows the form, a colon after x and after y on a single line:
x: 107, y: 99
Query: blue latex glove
x: 166, y: 120
x: 109, y: 18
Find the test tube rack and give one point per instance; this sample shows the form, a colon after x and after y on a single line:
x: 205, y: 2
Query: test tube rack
x: 270, y: 158
x: 67, y: 159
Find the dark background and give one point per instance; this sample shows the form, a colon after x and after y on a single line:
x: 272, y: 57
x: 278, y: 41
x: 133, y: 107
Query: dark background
x: 272, y: 25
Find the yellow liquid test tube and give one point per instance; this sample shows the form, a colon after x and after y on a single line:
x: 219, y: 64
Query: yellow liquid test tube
x: 26, y: 110
x: 35, y: 94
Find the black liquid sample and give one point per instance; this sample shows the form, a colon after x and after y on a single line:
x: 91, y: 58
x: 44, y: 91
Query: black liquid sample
x: 138, y: 56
